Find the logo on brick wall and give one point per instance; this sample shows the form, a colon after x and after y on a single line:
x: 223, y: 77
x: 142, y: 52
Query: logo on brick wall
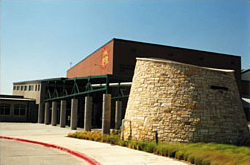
x: 105, y: 58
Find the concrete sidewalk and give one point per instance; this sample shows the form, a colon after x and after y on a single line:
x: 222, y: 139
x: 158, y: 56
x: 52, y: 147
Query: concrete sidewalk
x: 22, y: 153
x: 103, y: 153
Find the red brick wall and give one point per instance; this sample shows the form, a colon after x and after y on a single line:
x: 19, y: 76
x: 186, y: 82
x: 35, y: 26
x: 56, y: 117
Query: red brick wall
x: 95, y: 63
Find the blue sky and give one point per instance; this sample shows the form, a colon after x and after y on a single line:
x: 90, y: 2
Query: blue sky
x: 39, y: 38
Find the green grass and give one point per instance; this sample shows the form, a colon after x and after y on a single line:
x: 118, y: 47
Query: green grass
x: 196, y: 153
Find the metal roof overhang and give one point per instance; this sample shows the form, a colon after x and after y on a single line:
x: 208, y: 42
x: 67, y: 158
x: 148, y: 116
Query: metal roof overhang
x: 72, y: 87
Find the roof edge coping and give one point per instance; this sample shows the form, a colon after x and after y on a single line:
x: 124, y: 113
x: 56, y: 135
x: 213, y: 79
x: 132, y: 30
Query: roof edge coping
x: 180, y: 63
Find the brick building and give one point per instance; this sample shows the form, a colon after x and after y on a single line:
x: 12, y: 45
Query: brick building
x: 104, y: 78
x: 118, y: 57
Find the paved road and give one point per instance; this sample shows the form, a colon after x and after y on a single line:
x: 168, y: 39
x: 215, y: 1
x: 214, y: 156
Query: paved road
x: 103, y: 153
x: 22, y: 153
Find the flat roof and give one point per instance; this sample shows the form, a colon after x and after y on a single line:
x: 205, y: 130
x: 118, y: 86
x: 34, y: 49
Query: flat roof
x: 10, y: 96
x: 175, y: 47
x: 16, y: 99
x: 153, y: 44
x: 40, y: 80
x: 174, y: 62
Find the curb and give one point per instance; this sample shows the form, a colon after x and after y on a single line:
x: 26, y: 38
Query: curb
x: 75, y: 153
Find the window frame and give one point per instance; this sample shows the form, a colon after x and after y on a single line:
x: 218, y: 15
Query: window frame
x: 5, y: 107
x: 19, y: 108
x: 31, y: 87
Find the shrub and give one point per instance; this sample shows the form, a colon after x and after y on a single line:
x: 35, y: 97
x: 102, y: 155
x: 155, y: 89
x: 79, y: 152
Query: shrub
x: 162, y: 149
x: 150, y: 147
x: 195, y: 153
x: 199, y: 156
x: 97, y: 137
x: 187, y: 154
x: 172, y: 149
x: 180, y: 154
x: 141, y: 145
x: 113, y: 139
x: 70, y: 134
x: 105, y: 138
x: 132, y: 144
x: 190, y: 158
x: 123, y: 143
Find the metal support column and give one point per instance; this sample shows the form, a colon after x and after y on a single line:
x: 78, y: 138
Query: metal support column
x: 74, y: 108
x: 46, y: 118
x: 106, y: 113
x: 63, y: 113
x: 118, y: 114
x: 88, y: 113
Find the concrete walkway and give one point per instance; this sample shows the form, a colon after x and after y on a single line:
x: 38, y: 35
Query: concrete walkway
x: 103, y: 153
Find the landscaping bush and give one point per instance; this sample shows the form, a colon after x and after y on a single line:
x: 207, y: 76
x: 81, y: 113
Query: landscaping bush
x: 172, y: 149
x: 132, y: 144
x: 113, y: 139
x: 105, y: 138
x: 162, y: 150
x: 123, y: 143
x: 141, y: 145
x: 150, y: 147
x: 195, y: 153
x: 180, y: 154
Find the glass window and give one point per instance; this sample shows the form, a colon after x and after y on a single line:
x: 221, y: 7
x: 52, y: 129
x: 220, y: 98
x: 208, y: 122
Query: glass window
x: 17, y: 88
x: 4, y: 109
x: 14, y: 87
x: 38, y: 88
x: 22, y: 112
x: 21, y: 88
x: 16, y: 112
x: 25, y: 87
x: 7, y: 111
x: 19, y: 110
x: 1, y: 111
x: 31, y: 87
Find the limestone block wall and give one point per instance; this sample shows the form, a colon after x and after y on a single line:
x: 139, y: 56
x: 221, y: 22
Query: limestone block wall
x: 183, y: 103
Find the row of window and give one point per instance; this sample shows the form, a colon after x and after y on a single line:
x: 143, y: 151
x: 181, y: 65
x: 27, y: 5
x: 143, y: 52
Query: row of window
x: 25, y: 87
x: 19, y: 110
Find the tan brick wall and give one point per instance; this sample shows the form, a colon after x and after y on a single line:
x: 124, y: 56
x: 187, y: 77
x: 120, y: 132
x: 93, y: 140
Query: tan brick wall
x: 177, y: 101
x: 33, y: 94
